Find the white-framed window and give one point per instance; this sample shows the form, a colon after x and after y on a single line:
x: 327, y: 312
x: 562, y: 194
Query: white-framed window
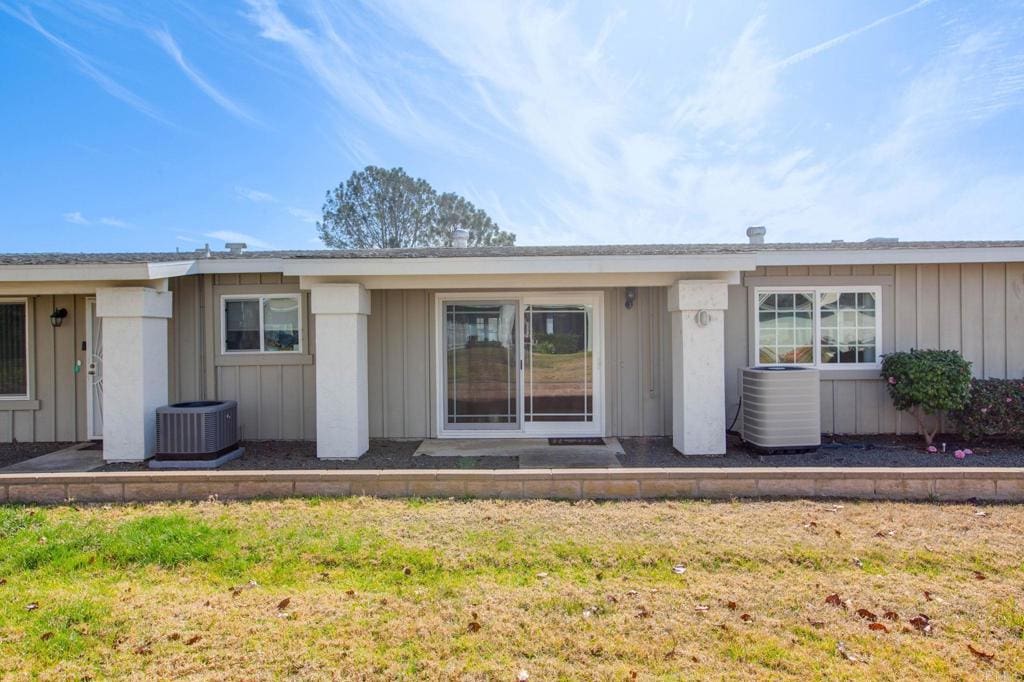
x: 827, y: 327
x: 261, y: 323
x: 14, y: 341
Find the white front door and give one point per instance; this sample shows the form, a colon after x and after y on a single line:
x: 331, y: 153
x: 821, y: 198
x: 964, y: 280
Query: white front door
x: 520, y: 365
x: 94, y: 370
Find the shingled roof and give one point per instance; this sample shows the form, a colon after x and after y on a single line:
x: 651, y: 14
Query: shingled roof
x: 495, y: 252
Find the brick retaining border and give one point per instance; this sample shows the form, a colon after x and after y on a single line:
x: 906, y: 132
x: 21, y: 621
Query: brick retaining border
x: 982, y: 483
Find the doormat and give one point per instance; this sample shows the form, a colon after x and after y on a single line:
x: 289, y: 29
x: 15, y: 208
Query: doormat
x: 576, y: 441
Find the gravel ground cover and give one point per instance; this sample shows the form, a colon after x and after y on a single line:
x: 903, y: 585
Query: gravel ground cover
x: 12, y: 453
x: 878, y: 451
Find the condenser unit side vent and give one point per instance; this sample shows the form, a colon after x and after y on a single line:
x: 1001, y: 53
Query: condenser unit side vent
x: 781, y: 408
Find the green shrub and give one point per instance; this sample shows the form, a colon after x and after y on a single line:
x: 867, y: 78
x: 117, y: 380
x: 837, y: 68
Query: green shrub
x: 995, y: 408
x: 556, y: 344
x: 926, y: 383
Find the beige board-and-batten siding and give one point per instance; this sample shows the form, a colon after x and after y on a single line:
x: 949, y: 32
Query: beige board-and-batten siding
x: 56, y: 406
x: 276, y: 392
x: 977, y: 309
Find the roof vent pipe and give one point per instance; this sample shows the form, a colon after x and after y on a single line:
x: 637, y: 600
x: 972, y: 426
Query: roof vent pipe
x: 756, y: 234
x: 236, y: 248
x: 460, y: 238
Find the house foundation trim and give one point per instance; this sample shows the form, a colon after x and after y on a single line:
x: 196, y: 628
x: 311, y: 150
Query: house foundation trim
x: 342, y: 379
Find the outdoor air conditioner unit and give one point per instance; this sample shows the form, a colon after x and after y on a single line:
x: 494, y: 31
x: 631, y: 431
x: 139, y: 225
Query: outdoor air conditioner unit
x: 781, y: 408
x: 198, y: 431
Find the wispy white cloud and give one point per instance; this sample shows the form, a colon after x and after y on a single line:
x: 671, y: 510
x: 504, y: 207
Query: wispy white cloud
x: 254, y: 195
x: 232, y: 236
x: 86, y: 65
x: 77, y: 218
x: 114, y: 222
x: 840, y: 39
x: 304, y: 215
x: 165, y: 40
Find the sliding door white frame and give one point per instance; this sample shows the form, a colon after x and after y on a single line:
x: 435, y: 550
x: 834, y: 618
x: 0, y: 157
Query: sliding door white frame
x: 595, y: 427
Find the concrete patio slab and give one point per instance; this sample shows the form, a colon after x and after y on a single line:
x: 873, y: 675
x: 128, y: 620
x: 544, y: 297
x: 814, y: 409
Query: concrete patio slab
x: 69, y: 460
x: 533, y: 453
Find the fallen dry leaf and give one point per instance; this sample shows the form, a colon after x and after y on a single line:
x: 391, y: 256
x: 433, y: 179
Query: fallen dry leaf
x: 835, y: 600
x: 732, y: 605
x: 283, y: 604
x: 192, y: 640
x: 173, y: 637
x: 642, y: 612
x: 927, y: 596
x: 879, y: 627
x: 867, y: 615
x: 144, y: 649
x: 891, y: 615
x: 980, y: 654
x: 978, y: 575
x: 350, y: 593
x: 746, y: 617
x: 922, y: 622
x: 474, y: 626
x: 45, y: 636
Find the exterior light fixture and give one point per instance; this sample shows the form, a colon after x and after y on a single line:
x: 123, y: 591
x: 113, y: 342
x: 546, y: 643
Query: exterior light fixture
x: 630, y: 297
x: 57, y: 316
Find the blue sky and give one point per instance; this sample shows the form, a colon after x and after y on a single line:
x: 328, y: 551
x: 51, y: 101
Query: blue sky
x: 155, y: 126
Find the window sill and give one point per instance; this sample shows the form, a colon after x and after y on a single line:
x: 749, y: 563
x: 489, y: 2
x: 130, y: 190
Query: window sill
x: 250, y: 359
x: 17, y: 404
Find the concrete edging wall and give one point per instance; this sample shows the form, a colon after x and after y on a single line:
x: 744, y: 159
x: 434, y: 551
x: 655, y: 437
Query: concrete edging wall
x: 1002, y: 484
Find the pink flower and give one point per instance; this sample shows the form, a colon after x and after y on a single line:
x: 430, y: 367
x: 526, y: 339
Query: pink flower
x: 892, y: 380
x: 932, y: 449
x: 1009, y: 400
x: 984, y: 410
x: 968, y: 451
x: 959, y: 454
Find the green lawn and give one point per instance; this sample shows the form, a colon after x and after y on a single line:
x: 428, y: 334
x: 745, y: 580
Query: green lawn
x: 481, y: 590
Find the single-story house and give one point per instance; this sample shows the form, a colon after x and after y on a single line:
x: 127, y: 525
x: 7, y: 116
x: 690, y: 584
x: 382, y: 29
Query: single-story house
x: 493, y: 342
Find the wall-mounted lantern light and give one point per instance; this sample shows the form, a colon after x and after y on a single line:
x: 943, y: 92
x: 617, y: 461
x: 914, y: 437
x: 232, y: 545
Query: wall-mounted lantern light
x: 630, y: 297
x: 57, y: 316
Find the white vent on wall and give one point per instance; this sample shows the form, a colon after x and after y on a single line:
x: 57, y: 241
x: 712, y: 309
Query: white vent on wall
x: 781, y: 408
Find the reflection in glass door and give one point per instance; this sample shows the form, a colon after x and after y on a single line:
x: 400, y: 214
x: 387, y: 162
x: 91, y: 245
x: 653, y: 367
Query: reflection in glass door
x: 481, y: 365
x: 558, y: 379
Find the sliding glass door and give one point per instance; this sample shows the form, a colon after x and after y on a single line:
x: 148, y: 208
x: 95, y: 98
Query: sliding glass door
x: 481, y: 365
x: 525, y: 364
x: 558, y: 380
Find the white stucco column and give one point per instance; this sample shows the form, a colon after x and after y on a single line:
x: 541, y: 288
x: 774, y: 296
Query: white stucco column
x: 698, y: 366
x: 134, y: 368
x: 342, y: 394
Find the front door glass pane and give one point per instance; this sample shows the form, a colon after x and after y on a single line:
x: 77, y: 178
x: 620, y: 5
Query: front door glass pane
x: 481, y: 365
x: 558, y: 380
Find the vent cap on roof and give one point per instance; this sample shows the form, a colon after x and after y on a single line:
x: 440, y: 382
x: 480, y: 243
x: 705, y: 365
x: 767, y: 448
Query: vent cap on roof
x: 460, y: 238
x: 756, y: 234
x: 236, y: 248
